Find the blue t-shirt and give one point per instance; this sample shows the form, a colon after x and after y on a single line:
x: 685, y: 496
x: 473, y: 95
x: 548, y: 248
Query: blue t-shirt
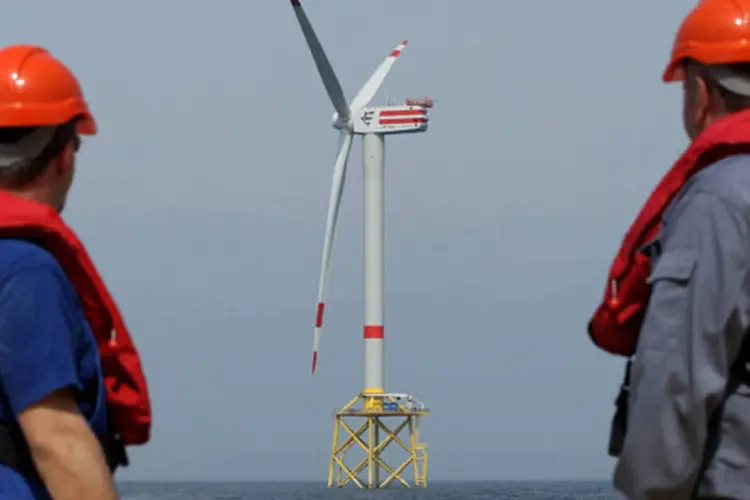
x: 45, y: 344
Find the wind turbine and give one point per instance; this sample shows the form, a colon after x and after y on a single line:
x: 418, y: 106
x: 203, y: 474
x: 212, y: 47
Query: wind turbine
x: 373, y: 123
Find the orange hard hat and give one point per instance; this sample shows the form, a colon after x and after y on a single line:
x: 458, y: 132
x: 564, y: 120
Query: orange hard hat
x: 38, y: 90
x: 714, y: 32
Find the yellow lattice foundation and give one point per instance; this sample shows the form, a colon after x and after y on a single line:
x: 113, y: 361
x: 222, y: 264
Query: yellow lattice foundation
x: 379, y: 426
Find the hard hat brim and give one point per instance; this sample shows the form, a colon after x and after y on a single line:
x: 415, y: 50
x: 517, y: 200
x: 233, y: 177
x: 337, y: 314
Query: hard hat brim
x: 86, y: 125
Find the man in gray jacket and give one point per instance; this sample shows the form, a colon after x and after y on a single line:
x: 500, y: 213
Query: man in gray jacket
x: 688, y: 412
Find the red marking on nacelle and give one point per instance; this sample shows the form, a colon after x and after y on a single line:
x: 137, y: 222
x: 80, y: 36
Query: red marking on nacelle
x: 402, y: 112
x: 402, y: 121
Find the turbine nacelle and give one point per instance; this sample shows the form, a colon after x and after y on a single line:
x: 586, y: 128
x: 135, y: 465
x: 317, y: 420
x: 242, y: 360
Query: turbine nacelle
x: 400, y: 119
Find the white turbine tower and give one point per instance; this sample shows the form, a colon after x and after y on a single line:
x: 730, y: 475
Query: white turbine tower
x: 356, y: 118
x: 373, y: 123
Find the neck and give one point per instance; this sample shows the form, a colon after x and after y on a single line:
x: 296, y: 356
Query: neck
x: 713, y: 118
x: 36, y: 194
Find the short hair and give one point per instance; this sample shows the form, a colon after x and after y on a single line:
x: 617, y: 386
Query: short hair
x: 713, y: 76
x: 22, y: 170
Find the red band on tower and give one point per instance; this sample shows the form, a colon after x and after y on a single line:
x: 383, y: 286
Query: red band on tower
x: 374, y: 332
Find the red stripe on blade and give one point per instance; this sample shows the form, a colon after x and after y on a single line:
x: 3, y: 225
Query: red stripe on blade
x: 319, y: 315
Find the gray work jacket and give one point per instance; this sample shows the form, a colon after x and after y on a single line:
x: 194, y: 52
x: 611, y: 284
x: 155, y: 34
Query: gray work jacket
x: 688, y: 432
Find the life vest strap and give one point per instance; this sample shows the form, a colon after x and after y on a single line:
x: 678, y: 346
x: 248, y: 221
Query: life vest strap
x: 740, y: 369
x: 14, y: 452
x: 619, y: 424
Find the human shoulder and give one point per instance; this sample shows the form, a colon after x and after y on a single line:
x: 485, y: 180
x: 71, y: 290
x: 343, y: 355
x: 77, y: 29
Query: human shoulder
x: 28, y: 268
x: 722, y: 189
x: 20, y: 255
x: 709, y: 222
x: 727, y: 179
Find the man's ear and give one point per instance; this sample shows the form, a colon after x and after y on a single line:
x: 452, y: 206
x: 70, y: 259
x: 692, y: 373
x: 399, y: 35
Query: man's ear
x: 698, y: 102
x: 63, y: 162
x: 704, y: 98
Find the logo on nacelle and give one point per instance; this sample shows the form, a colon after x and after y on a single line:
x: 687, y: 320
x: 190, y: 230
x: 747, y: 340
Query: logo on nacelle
x: 366, y: 116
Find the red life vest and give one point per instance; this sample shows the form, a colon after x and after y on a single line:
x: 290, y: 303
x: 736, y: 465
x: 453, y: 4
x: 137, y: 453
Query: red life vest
x: 126, y: 390
x: 616, y: 323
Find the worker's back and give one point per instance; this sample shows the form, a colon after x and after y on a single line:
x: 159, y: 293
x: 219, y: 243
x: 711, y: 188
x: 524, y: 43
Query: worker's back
x: 727, y: 448
x: 685, y: 409
x: 43, y: 353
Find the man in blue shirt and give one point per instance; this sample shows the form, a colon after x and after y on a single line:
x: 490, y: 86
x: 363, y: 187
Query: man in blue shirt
x: 52, y: 395
x: 48, y: 357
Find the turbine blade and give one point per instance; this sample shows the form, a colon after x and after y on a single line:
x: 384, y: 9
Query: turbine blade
x: 370, y: 88
x: 331, y: 83
x: 337, y: 189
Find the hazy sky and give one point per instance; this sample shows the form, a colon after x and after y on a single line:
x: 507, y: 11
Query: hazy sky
x: 203, y: 202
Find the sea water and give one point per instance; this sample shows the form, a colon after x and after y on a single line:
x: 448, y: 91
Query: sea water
x: 522, y: 490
